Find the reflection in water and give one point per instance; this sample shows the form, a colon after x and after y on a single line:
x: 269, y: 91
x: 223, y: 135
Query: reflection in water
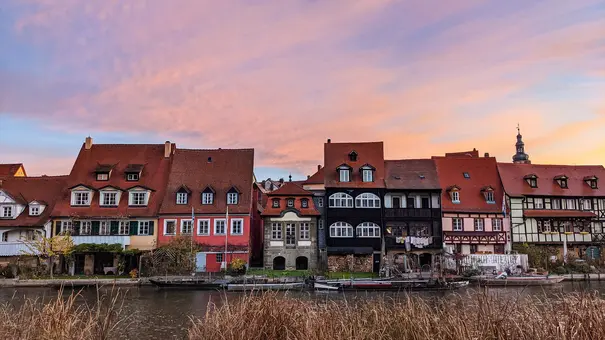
x: 165, y: 314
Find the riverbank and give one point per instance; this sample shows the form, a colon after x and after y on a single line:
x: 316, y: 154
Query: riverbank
x: 57, y: 283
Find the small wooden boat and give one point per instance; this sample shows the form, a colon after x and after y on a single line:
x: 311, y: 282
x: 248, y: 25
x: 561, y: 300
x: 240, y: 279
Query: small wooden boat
x: 393, y: 285
x: 242, y: 287
x: 521, y: 281
x: 188, y: 283
x: 325, y: 287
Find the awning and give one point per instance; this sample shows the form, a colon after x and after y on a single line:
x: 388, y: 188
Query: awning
x: 351, y: 250
x: 558, y: 213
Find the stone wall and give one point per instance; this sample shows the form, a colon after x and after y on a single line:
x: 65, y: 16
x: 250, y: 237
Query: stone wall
x: 275, y: 248
x: 350, y: 263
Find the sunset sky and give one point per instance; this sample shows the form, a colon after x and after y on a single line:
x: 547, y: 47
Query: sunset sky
x: 426, y: 77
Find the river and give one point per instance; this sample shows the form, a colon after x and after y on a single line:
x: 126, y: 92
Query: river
x: 166, y: 314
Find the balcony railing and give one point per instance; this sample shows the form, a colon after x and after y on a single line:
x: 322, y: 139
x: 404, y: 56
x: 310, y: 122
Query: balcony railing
x: 15, y: 249
x: 109, y: 239
x: 412, y: 213
x: 392, y: 242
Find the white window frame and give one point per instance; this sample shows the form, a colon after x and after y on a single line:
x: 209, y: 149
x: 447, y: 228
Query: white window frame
x: 556, y: 206
x: 304, y: 231
x: 131, y: 200
x: 104, y: 228
x: 290, y: 229
x: 320, y: 202
x: 304, y: 203
x: 232, y: 225
x: 166, y: 227
x: 75, y: 200
x: 275, y: 203
x: 276, y: 231
x: 573, y: 203
x: 479, y: 226
x: 66, y: 226
x: 207, y: 198
x: 188, y: 222
x: 455, y: 226
x: 290, y: 203
x: 367, y: 230
x: 456, y: 196
x: 497, y: 226
x: 85, y: 224
x: 344, y: 175
x: 199, y: 227
x: 341, y: 230
x: 219, y: 257
x: 370, y: 200
x: 7, y: 211
x: 142, y: 226
x: 587, y: 207
x: 181, y: 198
x: 367, y: 175
x: 538, y: 203
x: 35, y: 210
x: 105, y: 194
x: 132, y: 177
x: 216, y: 221
x: 320, y: 224
x: 103, y: 176
x: 340, y: 200
x: 232, y: 198
x: 124, y: 228
x: 490, y: 197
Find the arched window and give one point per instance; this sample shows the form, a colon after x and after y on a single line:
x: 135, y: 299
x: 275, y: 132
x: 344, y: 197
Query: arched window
x: 368, y: 229
x: 341, y: 200
x: 341, y: 229
x: 367, y: 200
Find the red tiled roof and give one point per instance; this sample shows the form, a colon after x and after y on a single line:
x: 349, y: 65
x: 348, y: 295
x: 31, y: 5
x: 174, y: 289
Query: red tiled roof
x: 316, y: 178
x: 471, y: 154
x: 412, y: 174
x: 220, y: 169
x: 558, y: 213
x: 512, y: 177
x: 290, y: 190
x: 482, y: 171
x: 336, y: 154
x: 9, y: 170
x: 24, y: 190
x: 154, y: 176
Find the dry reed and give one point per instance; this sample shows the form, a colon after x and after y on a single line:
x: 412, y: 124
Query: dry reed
x: 62, y: 318
x: 471, y: 316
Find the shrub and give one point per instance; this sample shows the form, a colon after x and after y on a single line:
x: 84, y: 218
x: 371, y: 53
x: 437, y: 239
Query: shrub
x: 237, y: 267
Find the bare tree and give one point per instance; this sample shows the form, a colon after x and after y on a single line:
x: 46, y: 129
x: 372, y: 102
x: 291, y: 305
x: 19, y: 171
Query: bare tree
x: 48, y: 248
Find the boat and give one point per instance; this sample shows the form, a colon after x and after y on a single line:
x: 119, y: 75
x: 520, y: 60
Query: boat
x: 189, y: 283
x: 325, y: 287
x: 392, y: 285
x: 520, y: 281
x: 242, y: 287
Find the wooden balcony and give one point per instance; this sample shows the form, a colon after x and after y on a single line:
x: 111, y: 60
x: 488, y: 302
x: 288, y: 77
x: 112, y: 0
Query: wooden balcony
x: 411, y: 213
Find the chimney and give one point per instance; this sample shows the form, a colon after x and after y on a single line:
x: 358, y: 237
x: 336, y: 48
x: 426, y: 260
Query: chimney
x: 167, y: 149
x: 88, y: 143
x: 318, y: 167
x: 486, y: 155
x: 329, y: 140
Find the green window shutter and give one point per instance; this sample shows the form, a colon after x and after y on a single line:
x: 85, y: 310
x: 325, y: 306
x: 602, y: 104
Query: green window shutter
x: 76, y: 225
x: 134, y: 228
x: 95, y: 227
x: 115, y: 225
x: 151, y: 226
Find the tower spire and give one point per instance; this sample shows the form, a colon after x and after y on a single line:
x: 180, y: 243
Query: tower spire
x: 520, y: 156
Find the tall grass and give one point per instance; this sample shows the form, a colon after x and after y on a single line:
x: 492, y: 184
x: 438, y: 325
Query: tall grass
x: 471, y: 316
x: 62, y: 318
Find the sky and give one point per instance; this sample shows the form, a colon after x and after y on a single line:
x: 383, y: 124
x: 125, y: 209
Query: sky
x: 426, y: 77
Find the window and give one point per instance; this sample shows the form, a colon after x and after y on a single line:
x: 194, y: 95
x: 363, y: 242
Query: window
x: 489, y: 196
x: 181, y: 198
x: 5, y: 237
x: 571, y: 204
x: 186, y: 227
x: 368, y: 175
x: 320, y: 224
x: 290, y: 234
x: 81, y: 198
x: 367, y: 200
x: 132, y: 177
x: 457, y: 224
x: 109, y: 198
x: 276, y: 231
x: 276, y: 203
x: 344, y: 175
x: 341, y: 200
x: 564, y: 183
x: 66, y: 227
x: 219, y: 227
x: 290, y: 202
x: 586, y: 204
x: 124, y: 228
x: 207, y: 198
x: 455, y: 197
x: 341, y: 229
x: 219, y: 258
x: 320, y: 202
x: 478, y: 224
x: 34, y: 210
x: 305, y: 231
x: 144, y: 228
x: 466, y: 175
x: 105, y: 228
x: 237, y: 226
x: 103, y: 177
x: 368, y: 229
x: 138, y: 198
x: 85, y: 227
x: 353, y: 156
x: 545, y: 226
x: 232, y: 198
x: 538, y: 203
x: 556, y: 203
x: 410, y: 202
x: 304, y: 203
x: 203, y: 227
x: 593, y: 184
x: 170, y: 227
x: 497, y: 224
x: 7, y: 211
x: 474, y: 248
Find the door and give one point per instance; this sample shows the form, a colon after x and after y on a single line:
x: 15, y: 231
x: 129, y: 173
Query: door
x: 200, y: 262
x: 396, y: 202
x: 425, y: 202
x: 411, y: 202
x: 376, y: 265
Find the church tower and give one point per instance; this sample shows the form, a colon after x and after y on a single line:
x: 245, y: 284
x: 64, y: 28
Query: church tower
x: 520, y: 157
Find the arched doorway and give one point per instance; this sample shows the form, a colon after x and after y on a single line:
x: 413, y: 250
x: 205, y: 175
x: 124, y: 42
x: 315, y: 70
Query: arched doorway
x: 302, y: 263
x: 279, y: 263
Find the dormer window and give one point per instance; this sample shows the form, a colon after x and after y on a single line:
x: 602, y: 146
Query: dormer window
x: 592, y: 182
x: 181, y: 198
x: 138, y: 198
x: 304, y: 203
x: 488, y: 193
x: 290, y: 202
x: 34, y: 210
x: 344, y: 172
x: 103, y: 172
x: 466, y: 175
x: 132, y: 177
x: 104, y: 176
x: 233, y: 196
x: 208, y: 196
x: 367, y: 173
x: 561, y: 180
x: 353, y: 156
x: 80, y: 198
x: 276, y: 203
x: 532, y: 180
x: 7, y: 211
x: 454, y: 192
x: 133, y: 172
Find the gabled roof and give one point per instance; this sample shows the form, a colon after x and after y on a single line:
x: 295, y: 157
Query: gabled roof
x: 513, y: 179
x: 134, y: 168
x: 45, y: 190
x: 154, y: 176
x: 336, y: 154
x: 9, y: 170
x: 316, y: 178
x: 411, y: 174
x: 290, y: 189
x: 483, y: 172
x: 221, y: 169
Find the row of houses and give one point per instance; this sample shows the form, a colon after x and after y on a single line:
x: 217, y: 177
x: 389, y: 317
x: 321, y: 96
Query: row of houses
x: 357, y: 212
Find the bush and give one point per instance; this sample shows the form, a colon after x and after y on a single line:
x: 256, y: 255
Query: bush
x: 236, y: 267
x: 471, y: 272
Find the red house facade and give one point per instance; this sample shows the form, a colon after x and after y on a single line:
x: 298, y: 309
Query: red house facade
x: 211, y: 197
